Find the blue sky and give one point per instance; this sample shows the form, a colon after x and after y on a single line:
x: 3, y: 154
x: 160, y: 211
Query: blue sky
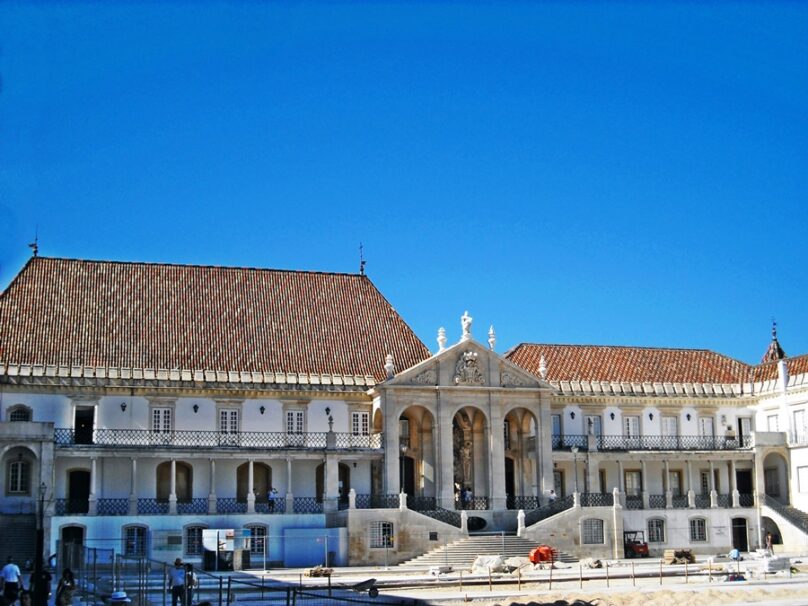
x: 577, y: 172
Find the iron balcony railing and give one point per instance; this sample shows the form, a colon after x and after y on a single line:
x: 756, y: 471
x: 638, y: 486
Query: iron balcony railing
x: 443, y: 515
x: 679, y: 501
x: 702, y: 501
x: 526, y: 503
x: 623, y: 443
x: 725, y: 500
x: 152, y: 507
x: 145, y: 438
x: 72, y: 507
x: 198, y: 505
x: 634, y: 502
x: 308, y: 505
x: 550, y: 509
x: 417, y: 503
x: 472, y: 504
x: 597, y: 499
x: 656, y: 501
x: 377, y: 501
x: 746, y: 500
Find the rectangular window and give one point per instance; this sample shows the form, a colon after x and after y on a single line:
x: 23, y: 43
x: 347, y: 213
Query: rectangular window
x: 744, y: 427
x: 193, y: 540
x: 229, y: 426
x: 381, y: 535
x: 706, y: 427
x: 704, y: 479
x: 633, y: 483
x: 592, y: 532
x: 773, y: 423
x: 161, y: 420
x: 294, y: 421
x: 18, y: 477
x: 656, y: 531
x: 631, y: 427
x: 134, y: 541
x: 698, y: 529
x: 258, y: 537
x: 360, y: 423
x: 675, y: 483
x: 800, y: 431
x: 802, y: 479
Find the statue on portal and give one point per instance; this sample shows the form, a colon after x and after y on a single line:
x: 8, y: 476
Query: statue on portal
x: 465, y: 322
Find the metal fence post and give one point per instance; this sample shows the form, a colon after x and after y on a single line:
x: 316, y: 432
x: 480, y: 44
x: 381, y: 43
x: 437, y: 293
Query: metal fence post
x: 221, y: 582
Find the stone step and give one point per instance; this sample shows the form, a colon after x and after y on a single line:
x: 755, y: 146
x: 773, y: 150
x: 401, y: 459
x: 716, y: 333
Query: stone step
x: 462, y: 553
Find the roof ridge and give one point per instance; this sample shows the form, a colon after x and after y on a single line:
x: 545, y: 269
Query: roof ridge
x: 648, y: 347
x: 195, y: 265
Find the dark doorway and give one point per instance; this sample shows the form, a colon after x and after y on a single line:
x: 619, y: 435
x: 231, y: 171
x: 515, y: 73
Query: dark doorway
x: 739, y: 536
x: 510, y: 484
x: 70, y: 553
x: 85, y: 419
x: 344, y: 486
x: 407, y: 478
x: 78, y: 492
x: 743, y: 481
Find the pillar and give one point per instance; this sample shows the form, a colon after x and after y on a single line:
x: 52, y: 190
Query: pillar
x: 621, y: 481
x: 93, y: 500
x: 667, y: 484
x: 760, y: 480
x: 713, y: 491
x: 691, y: 495
x: 290, y: 497
x: 544, y: 448
x: 644, y: 485
x: 591, y: 473
x: 497, y: 498
x: 331, y: 500
x: 172, y: 494
x: 392, y: 454
x: 250, y: 486
x: 212, y: 489
x: 446, y: 473
x: 733, y: 482
x: 133, y: 488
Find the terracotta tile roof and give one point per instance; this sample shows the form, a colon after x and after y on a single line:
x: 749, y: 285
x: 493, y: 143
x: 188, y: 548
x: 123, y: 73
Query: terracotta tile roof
x: 141, y: 315
x: 797, y: 365
x: 629, y: 364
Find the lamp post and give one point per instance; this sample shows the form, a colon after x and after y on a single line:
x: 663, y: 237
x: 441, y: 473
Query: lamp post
x: 41, y: 577
x: 575, y: 465
x: 403, y: 449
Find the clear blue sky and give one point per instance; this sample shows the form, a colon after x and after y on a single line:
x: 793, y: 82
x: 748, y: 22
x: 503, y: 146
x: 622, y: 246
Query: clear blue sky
x: 580, y: 172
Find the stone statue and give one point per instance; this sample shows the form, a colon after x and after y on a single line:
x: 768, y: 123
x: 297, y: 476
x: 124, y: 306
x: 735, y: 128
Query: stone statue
x: 465, y: 322
x: 467, y: 371
x: 441, y: 338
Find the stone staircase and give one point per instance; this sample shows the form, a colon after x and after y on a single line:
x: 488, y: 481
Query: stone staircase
x: 461, y: 554
x: 795, y: 516
x: 18, y: 532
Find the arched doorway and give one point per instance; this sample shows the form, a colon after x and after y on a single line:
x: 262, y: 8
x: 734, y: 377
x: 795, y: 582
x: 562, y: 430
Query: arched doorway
x: 262, y: 482
x: 184, y: 484
x: 740, y: 537
x: 775, y: 477
x: 344, y: 482
x: 417, y: 452
x: 78, y: 491
x: 470, y: 446
x: 520, y: 444
x: 71, y: 547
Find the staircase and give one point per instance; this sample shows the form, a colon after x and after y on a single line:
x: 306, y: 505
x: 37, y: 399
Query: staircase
x: 797, y: 517
x: 461, y: 554
x: 19, y: 537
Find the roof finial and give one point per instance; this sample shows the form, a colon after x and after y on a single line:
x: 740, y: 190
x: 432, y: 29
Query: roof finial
x: 774, y: 329
x: 543, y: 367
x: 361, y: 260
x: 34, y: 246
x: 492, y: 338
x: 465, y: 322
x: 774, y: 352
x: 441, y: 339
x: 389, y: 366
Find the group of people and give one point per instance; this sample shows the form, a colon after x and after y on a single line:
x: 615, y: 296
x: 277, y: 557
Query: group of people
x: 14, y: 589
x: 463, y: 495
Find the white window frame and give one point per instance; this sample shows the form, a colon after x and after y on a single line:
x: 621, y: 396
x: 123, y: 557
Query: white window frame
x: 257, y: 541
x: 360, y: 423
x: 593, y: 425
x: 193, y: 545
x: 19, y: 477
x: 592, y: 531
x: 773, y: 422
x: 656, y: 530
x: 698, y: 530
x: 800, y: 428
x: 802, y: 478
x: 135, y: 546
x: 228, y: 425
x: 382, y: 535
x: 636, y: 478
x: 706, y: 427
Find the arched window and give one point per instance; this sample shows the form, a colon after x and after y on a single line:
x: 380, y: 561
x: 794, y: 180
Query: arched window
x: 19, y: 414
x: 184, y: 483
x: 656, y: 530
x: 258, y: 537
x: 592, y: 532
x: 193, y: 540
x: 698, y: 529
x: 135, y: 541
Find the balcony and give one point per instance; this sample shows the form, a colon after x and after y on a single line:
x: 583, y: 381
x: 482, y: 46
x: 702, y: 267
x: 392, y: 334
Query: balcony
x: 245, y: 440
x: 623, y: 443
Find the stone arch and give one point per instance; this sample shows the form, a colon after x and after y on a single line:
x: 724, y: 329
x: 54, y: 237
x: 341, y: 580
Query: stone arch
x: 262, y: 481
x: 416, y: 452
x: 471, y: 460
x: 520, y: 435
x: 775, y: 476
x: 20, y: 466
x: 19, y: 413
x: 184, y: 484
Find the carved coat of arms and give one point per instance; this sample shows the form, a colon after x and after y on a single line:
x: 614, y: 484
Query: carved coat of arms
x: 467, y: 371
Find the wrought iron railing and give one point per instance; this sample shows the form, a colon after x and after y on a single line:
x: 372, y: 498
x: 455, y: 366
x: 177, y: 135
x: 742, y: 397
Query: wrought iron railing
x: 66, y: 507
x: 271, y: 506
x: 550, y: 509
x: 152, y: 507
x: 794, y: 516
x: 230, y: 505
x: 634, y: 502
x: 526, y: 503
x: 422, y: 503
x: 196, y: 505
x: 443, y: 515
x: 657, y: 501
x: 377, y: 501
x: 308, y: 505
x: 746, y: 500
x: 606, y: 442
x: 144, y: 438
x: 472, y: 504
x: 725, y: 500
x: 679, y: 501
x: 597, y: 499
x: 702, y: 501
x: 112, y: 507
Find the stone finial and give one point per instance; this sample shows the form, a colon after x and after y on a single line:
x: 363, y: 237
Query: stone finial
x: 465, y: 322
x: 492, y: 338
x: 389, y: 367
x: 543, y: 367
x: 441, y: 339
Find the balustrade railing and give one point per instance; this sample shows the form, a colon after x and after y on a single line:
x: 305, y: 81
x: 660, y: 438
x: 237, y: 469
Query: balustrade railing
x: 144, y: 438
x: 746, y: 500
x: 472, y: 504
x: 422, y: 503
x: 597, y: 499
x: 634, y: 502
x: 66, y: 507
x: 196, y: 505
x: 550, y: 509
x: 725, y: 500
x: 606, y: 442
x: 657, y: 501
x: 795, y: 516
x: 444, y: 515
x: 308, y: 505
x: 377, y: 501
x: 277, y: 505
x: 112, y: 507
x: 526, y: 503
x: 679, y: 501
x: 152, y: 507
x: 702, y: 501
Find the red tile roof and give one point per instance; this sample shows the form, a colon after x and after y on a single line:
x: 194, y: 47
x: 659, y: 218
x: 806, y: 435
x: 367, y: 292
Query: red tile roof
x: 797, y: 365
x: 141, y: 315
x: 629, y: 364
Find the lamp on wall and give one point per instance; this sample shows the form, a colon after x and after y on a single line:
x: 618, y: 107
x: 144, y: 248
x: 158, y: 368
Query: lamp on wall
x: 123, y: 406
x: 572, y: 415
x: 687, y: 416
x: 196, y: 408
x: 262, y: 409
x: 651, y: 416
x: 611, y: 416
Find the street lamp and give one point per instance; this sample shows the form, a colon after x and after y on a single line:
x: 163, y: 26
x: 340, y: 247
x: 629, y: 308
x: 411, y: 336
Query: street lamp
x: 403, y: 449
x: 575, y: 465
x: 41, y: 581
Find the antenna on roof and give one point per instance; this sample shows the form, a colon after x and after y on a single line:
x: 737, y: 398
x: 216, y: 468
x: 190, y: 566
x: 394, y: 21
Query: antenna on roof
x: 34, y: 246
x: 361, y: 260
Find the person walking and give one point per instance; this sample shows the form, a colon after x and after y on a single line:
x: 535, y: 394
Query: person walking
x: 12, y: 581
x: 176, y: 581
x: 769, y: 541
x: 65, y: 588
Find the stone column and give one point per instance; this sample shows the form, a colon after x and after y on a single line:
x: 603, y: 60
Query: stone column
x: 93, y: 500
x: 520, y: 523
x: 331, y: 500
x: 592, y: 476
x: 691, y: 494
x: 496, y: 461
x: 351, y: 499
x: 251, y: 486
x: 621, y: 481
x: 645, y: 498
x: 392, y: 447
x: 212, y: 489
x: 736, y: 496
x: 446, y: 472
x: 667, y: 484
x: 713, y: 491
x: 544, y: 448
x: 760, y: 479
x: 133, y: 489
x: 172, y: 493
